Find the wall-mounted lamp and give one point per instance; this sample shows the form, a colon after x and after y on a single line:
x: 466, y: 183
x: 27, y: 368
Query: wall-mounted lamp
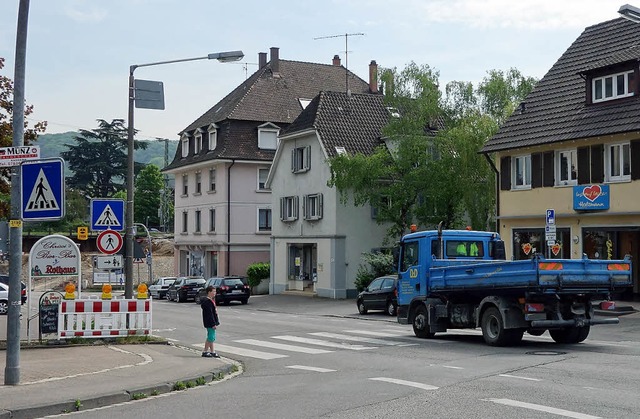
x: 576, y: 239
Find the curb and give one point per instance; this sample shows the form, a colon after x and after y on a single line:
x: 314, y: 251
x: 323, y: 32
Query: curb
x: 117, y: 397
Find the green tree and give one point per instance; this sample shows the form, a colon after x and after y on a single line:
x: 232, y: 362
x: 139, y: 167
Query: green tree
x: 99, y: 159
x: 149, y: 184
x: 6, y: 136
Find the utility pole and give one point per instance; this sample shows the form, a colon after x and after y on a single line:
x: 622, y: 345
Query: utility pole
x: 346, y: 53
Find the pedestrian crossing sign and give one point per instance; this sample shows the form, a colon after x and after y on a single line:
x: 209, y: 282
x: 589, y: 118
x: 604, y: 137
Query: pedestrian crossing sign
x: 42, y: 189
x: 107, y: 214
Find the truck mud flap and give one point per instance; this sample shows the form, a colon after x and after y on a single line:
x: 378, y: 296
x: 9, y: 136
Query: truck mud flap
x: 573, y: 322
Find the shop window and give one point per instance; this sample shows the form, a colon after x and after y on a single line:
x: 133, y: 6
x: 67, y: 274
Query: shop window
x: 528, y: 242
x: 599, y: 244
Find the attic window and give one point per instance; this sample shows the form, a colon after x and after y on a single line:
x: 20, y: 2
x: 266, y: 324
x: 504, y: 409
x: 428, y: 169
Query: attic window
x: 185, y: 145
x: 341, y: 150
x: 268, y: 136
x: 612, y: 86
x: 304, y: 102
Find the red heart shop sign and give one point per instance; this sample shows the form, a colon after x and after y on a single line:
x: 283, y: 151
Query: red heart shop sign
x: 591, y: 197
x: 592, y: 192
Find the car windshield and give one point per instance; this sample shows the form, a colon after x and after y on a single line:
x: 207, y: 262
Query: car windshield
x: 234, y: 281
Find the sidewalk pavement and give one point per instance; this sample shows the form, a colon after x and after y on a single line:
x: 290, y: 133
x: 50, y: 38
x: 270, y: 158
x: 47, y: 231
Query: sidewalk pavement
x: 55, y: 379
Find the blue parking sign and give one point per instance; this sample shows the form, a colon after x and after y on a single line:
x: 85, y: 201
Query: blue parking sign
x: 42, y: 189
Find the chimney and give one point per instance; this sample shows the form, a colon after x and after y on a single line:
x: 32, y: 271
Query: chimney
x: 275, y: 60
x: 373, y: 77
x: 336, y: 60
x: 262, y: 59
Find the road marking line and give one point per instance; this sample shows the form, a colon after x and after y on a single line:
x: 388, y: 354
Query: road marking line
x: 173, y: 340
x: 405, y: 383
x: 452, y: 367
x: 247, y: 352
x: 284, y: 347
x: 355, y: 338
x: 519, y: 377
x: 315, y: 369
x: 541, y: 408
x: 324, y: 343
x: 378, y: 334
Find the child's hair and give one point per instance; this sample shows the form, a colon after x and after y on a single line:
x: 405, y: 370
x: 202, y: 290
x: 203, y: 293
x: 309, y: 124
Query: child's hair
x: 209, y: 289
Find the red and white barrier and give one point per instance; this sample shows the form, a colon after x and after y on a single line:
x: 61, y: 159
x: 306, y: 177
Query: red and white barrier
x: 103, y: 318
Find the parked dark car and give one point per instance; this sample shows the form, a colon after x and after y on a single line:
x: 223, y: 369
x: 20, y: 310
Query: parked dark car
x: 23, y: 292
x: 381, y: 294
x: 230, y: 288
x: 184, y: 288
x: 159, y: 288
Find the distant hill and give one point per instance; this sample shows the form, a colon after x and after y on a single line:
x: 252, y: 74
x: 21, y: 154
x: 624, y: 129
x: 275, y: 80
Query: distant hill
x: 51, y: 145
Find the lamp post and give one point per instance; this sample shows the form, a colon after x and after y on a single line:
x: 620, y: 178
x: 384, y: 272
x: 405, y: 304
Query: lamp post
x: 223, y: 57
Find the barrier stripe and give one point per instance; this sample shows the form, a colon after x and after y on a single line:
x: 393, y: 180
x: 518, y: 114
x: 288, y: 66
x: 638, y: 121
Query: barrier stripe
x: 618, y: 267
x: 106, y: 306
x: 550, y: 266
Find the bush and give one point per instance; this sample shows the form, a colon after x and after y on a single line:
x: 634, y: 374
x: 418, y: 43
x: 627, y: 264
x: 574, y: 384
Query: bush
x: 256, y: 272
x: 380, y: 264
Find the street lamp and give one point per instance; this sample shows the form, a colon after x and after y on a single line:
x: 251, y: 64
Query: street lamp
x: 223, y: 57
x: 630, y: 12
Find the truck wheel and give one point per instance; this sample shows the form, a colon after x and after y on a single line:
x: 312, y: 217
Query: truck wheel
x: 493, y: 330
x: 570, y: 335
x: 421, y: 324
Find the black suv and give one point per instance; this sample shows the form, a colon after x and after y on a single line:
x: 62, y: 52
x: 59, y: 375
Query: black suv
x: 23, y: 293
x: 230, y: 288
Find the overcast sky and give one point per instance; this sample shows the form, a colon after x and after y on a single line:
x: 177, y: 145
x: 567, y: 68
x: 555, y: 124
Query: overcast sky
x: 79, y: 51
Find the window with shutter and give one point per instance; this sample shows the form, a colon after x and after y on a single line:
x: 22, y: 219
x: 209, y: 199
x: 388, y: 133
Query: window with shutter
x: 584, y: 165
x: 635, y: 159
x: 618, y: 162
x: 505, y: 173
x: 566, y: 167
x: 289, y: 208
x: 301, y: 159
x: 597, y: 163
x: 521, y: 172
x: 536, y: 170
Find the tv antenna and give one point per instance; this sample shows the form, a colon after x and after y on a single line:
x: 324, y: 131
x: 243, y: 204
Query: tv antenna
x: 346, y: 53
x: 245, y: 67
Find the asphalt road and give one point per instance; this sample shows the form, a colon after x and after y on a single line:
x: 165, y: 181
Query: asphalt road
x: 335, y: 363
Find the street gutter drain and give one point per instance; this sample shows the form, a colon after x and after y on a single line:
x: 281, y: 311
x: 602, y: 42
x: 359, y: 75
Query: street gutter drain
x: 546, y: 353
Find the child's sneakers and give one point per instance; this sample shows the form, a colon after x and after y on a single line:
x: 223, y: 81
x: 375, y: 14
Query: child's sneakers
x: 215, y: 355
x: 207, y: 355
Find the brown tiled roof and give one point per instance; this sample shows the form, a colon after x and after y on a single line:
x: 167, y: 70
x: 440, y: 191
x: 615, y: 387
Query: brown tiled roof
x: 275, y: 97
x: 556, y: 109
x: 353, y: 121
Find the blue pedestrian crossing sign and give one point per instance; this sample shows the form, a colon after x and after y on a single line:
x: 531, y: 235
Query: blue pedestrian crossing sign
x: 107, y: 214
x: 42, y: 189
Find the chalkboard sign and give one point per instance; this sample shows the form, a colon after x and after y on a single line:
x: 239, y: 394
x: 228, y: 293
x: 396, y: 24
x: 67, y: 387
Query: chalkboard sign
x: 49, y: 319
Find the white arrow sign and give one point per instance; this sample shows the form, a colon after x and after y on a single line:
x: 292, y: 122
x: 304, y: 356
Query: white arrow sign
x: 109, y: 262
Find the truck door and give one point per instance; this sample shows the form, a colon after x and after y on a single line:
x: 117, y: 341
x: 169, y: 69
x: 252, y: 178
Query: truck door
x: 409, y: 272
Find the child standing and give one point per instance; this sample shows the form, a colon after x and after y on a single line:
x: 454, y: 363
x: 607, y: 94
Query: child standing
x: 210, y: 322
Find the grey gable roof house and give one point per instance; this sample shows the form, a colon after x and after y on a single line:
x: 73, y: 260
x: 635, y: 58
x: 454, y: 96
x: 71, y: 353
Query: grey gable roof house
x: 271, y: 94
x: 558, y: 108
x: 351, y: 121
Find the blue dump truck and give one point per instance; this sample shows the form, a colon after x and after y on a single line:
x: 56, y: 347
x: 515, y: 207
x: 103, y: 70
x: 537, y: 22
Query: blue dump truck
x: 458, y: 279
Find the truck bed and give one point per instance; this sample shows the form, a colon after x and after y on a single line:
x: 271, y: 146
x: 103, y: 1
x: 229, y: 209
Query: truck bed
x: 536, y: 275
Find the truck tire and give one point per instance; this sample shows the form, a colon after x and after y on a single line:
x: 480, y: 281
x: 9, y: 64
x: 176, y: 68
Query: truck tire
x: 493, y: 330
x: 421, y: 324
x: 570, y: 334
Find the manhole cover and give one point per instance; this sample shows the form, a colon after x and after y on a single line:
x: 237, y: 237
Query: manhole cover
x: 547, y: 353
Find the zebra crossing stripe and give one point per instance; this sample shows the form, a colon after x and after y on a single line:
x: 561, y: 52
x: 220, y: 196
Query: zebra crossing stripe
x: 405, y: 383
x: 244, y: 352
x: 315, y: 369
x: 378, y: 334
x: 372, y: 341
x: 319, y: 342
x: 282, y: 346
x: 542, y: 408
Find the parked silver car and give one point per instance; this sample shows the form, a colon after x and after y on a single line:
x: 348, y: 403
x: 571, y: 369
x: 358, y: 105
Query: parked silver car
x: 159, y: 288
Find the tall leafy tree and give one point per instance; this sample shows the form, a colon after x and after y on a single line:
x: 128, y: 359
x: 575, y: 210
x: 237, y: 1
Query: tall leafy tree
x: 149, y: 184
x: 99, y: 159
x: 6, y: 135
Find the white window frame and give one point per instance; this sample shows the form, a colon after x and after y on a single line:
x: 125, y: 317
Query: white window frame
x: 266, y: 140
x: 289, y: 208
x: 198, y: 190
x: 212, y: 220
x: 185, y: 222
x: 198, y: 220
x: 185, y: 184
x: 198, y: 141
x: 615, y: 170
x: 301, y: 159
x: 268, y: 211
x: 598, y: 86
x: 523, y: 161
x: 570, y: 174
x: 185, y: 145
x: 213, y: 136
x: 263, y: 173
x: 212, y: 180
x: 312, y: 206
